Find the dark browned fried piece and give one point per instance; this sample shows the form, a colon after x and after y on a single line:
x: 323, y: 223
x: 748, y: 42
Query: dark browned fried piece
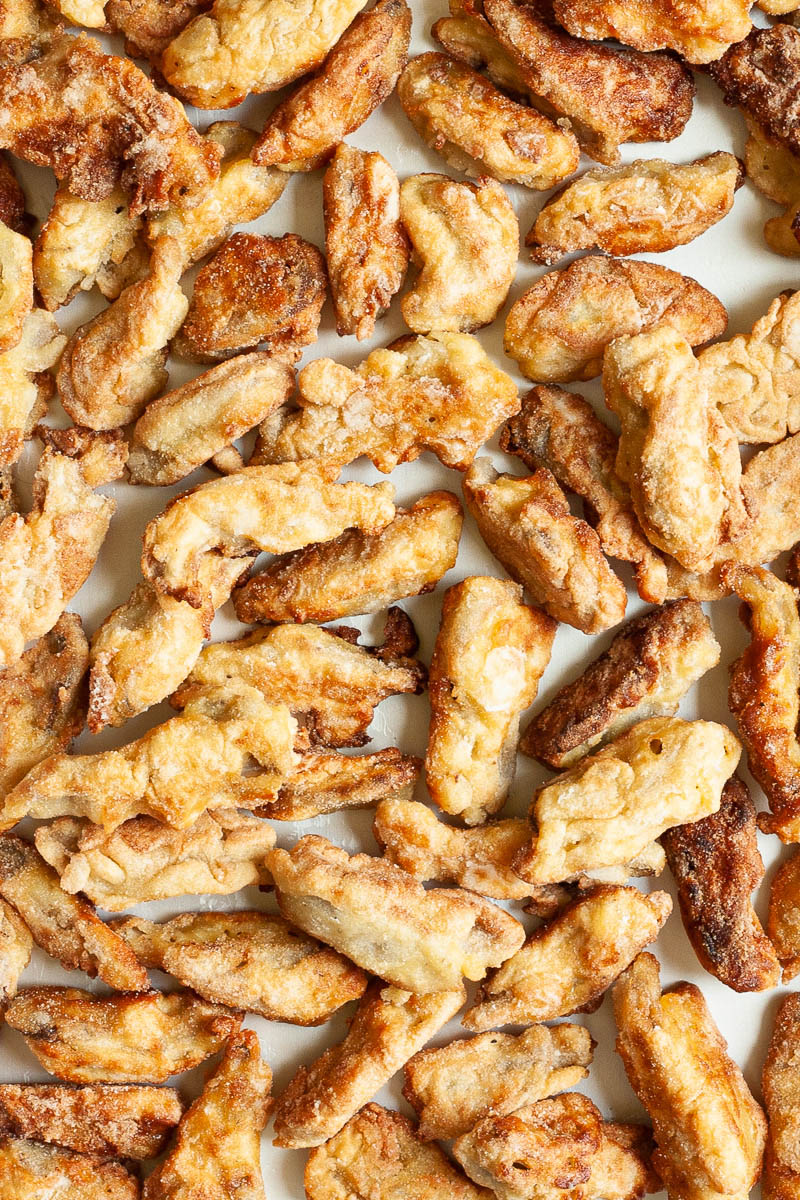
x: 762, y: 76
x: 150, y: 25
x: 12, y: 199
x: 328, y: 782
x: 780, y: 1083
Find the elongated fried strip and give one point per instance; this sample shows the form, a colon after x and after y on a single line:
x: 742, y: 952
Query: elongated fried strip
x: 389, y: 1027
x: 248, y: 960
x: 122, y: 1121
x: 40, y: 1172
x: 329, y: 782
x: 708, y: 1129
x: 16, y: 944
x: 217, y: 1151
x: 453, y: 1087
x: 142, y: 859
x: 651, y: 664
x: 358, y: 572
x: 16, y: 285
x: 121, y: 1038
x: 26, y: 383
x: 779, y: 1083
x: 783, y: 919
x: 698, y: 30
x: 429, y: 940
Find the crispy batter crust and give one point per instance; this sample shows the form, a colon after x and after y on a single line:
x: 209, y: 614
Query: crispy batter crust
x: 775, y: 171
x: 12, y: 197
x: 783, y: 919
x: 330, y: 782
x: 27, y: 29
x: 39, y: 1172
x: 150, y: 25
x: 26, y: 384
x: 16, y: 944
x: 468, y: 37
x: 779, y: 1083
x: 16, y: 285
x: 760, y: 75
x: 700, y: 30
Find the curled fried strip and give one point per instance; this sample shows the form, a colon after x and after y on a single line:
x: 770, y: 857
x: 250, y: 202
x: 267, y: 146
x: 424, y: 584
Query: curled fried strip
x: 779, y: 1083
x: 700, y: 30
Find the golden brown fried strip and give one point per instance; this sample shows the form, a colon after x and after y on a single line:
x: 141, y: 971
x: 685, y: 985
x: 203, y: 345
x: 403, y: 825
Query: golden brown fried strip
x: 491, y: 651
x: 358, y: 572
x: 325, y: 783
x: 222, y: 852
x: 708, y: 1129
x: 478, y: 130
x: 527, y: 525
x: 16, y: 285
x: 429, y: 940
x: 700, y: 30
x: 97, y: 120
x: 378, y: 1155
x: 782, y: 1101
x: 608, y: 807
x: 716, y: 865
x: 775, y: 171
x: 558, y: 329
x: 651, y: 664
x: 122, y: 1121
x: 647, y: 206
x: 760, y: 76
x: 783, y: 919
x: 120, y: 1038
x: 40, y: 1172
x: 389, y: 1027
x: 16, y: 944
x: 455, y: 1086
x: 250, y: 961
x: 468, y: 37
x: 150, y: 25
x: 26, y: 384
x: 27, y: 29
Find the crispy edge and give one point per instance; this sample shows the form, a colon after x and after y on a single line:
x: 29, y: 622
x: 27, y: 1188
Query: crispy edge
x: 329, y: 782
x: 779, y: 1082
x: 783, y: 917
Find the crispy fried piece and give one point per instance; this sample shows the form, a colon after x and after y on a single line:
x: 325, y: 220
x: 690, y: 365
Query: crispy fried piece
x: 769, y: 491
x: 379, y: 1155
x: 114, y: 365
x: 366, y: 248
x: 700, y: 30
x: 567, y: 965
x: 356, y: 77
x: 468, y: 37
x: 716, y: 865
x: 16, y: 944
x: 358, y: 572
x: 120, y: 1038
x: 65, y: 926
x: 465, y: 236
x: 439, y: 393
x: 217, y: 1150
x: 256, y: 290
x: 651, y: 664
x: 389, y: 1027
x: 775, y: 171
x: 26, y: 384
x: 225, y: 729
x: 782, y: 1101
x: 558, y: 329
x: 647, y: 206
x: 607, y: 95
x: 184, y: 428
x: 12, y: 197
x: 453, y: 1087
x: 610, y: 805
x: 27, y: 29
x: 123, y: 1121
x: 258, y: 46
x: 145, y: 860
x: 40, y: 1172
x: 97, y: 121
x: 428, y: 939
x: 16, y: 285
x: 708, y: 1129
x: 82, y: 12
x: 248, y: 960
x: 527, y: 525
x: 275, y: 508
x: 777, y: 8
x: 760, y: 76
x: 783, y: 919
x: 150, y: 25
x: 490, y: 653
x: 478, y: 130
x: 329, y: 782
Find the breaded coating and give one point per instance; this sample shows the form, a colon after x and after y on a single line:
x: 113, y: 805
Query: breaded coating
x: 252, y: 46
x: 150, y: 25
x: 27, y: 29
x: 716, y: 866
x: 356, y: 77
x: 606, y: 95
x: 82, y: 12
x: 97, y: 121
x: 699, y: 30
x: 453, y: 1087
x: 775, y: 171
x: 708, y: 1129
x: 491, y: 651
x: 358, y: 572
x: 608, y: 807
x: 65, y: 926
x: 221, y: 853
x: 248, y: 960
x: 468, y: 37
x: 783, y: 918
x: 16, y: 944
x: 85, y: 1038
x: 275, y: 508
x: 12, y: 197
x: 649, y: 667
x: 330, y: 782
x: 478, y: 130
x: 379, y: 1155
x: 256, y: 290
x: 16, y: 285
x: 115, y: 364
x: 465, y: 238
x: 644, y: 207
x: 429, y: 939
x: 365, y: 246
x: 184, y: 428
x: 412, y: 837
x: 440, y: 393
x: 389, y: 1027
x: 567, y: 965
x: 769, y: 491
x: 40, y: 1172
x: 228, y: 730
x: 122, y: 1121
x: 558, y: 329
x: 528, y: 526
x: 760, y: 76
x: 779, y: 1083
x: 26, y: 385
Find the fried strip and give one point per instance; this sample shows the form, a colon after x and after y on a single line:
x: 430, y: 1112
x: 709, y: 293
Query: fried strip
x: 16, y: 944
x: 12, y: 197
x: 698, y: 30
x: 26, y: 384
x: 779, y: 1083
x: 40, y: 1172
x: 16, y: 285
x: 469, y: 38
x: 775, y: 171
x: 760, y: 76
x: 783, y: 919
x: 325, y: 783
x: 150, y: 25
